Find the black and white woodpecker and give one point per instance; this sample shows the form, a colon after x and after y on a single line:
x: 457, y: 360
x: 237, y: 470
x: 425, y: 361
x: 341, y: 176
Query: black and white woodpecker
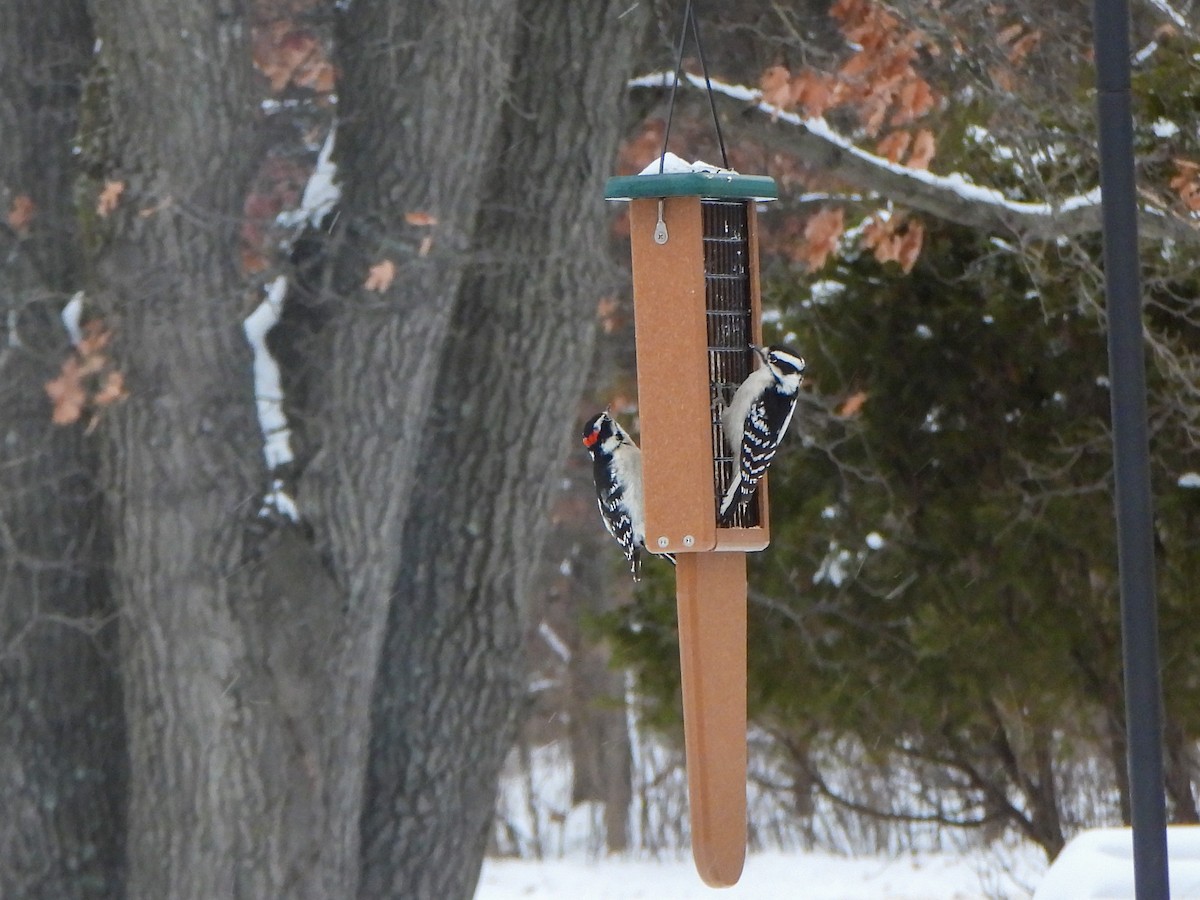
x: 757, y: 419
x: 617, y: 470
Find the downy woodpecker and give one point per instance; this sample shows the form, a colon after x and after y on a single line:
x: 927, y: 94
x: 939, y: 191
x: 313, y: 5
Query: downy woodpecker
x: 756, y: 420
x: 617, y: 469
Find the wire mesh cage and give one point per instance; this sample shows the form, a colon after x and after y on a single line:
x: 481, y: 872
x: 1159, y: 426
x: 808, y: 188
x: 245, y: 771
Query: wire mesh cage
x: 728, y: 292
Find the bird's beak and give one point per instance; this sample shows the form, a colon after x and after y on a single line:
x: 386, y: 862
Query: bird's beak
x: 762, y: 354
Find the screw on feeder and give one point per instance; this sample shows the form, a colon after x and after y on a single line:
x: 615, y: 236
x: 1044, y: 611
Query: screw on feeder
x: 663, y: 541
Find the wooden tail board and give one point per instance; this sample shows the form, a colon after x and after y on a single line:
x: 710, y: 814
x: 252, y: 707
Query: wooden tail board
x: 711, y: 592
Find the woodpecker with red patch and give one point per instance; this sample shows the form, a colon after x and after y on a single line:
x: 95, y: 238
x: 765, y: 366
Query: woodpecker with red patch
x: 757, y: 419
x: 617, y: 470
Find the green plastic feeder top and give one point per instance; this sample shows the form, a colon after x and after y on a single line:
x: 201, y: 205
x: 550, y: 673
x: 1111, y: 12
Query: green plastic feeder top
x: 684, y: 179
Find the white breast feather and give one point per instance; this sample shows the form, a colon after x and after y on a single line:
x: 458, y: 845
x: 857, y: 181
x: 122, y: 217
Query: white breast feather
x: 627, y: 465
x: 734, y: 418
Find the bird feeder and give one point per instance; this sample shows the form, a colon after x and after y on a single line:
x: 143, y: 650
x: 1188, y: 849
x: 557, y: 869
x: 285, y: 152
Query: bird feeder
x: 696, y: 313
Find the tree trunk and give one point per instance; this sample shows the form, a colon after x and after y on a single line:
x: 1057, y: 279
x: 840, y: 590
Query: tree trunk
x: 418, y: 104
x: 1179, y: 764
x: 452, y: 677
x: 61, y: 740
x: 249, y: 647
x: 183, y: 461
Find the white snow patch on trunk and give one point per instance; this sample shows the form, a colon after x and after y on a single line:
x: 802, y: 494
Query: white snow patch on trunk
x: 71, y: 314
x: 268, y: 394
x: 321, y: 193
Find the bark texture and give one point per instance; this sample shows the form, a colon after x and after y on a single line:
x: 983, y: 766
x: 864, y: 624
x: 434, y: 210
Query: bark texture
x: 174, y: 100
x: 402, y: 148
x: 61, y: 731
x: 452, y: 679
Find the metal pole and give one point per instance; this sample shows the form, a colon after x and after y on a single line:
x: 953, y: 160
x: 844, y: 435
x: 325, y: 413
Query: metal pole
x: 1127, y: 377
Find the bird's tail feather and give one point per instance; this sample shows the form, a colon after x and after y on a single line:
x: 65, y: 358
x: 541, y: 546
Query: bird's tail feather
x: 732, y: 499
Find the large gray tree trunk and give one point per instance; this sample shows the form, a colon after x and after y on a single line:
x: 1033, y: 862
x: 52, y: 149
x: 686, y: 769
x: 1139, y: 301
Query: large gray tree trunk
x: 183, y: 460
x: 452, y: 678
x: 249, y: 647
x: 61, y: 741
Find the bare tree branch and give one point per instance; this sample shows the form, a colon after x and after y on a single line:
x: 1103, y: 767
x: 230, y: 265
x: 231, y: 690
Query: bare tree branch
x: 953, y: 197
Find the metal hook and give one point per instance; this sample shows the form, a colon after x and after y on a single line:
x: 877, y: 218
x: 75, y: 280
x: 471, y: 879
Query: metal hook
x: 660, y: 230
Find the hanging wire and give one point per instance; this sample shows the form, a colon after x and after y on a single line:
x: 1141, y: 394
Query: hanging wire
x: 712, y: 102
x: 689, y: 17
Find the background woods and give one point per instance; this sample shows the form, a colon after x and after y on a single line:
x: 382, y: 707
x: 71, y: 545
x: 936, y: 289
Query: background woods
x: 293, y: 664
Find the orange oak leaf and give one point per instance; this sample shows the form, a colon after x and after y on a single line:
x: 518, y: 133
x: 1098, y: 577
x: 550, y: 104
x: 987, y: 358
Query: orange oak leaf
x: 909, y: 249
x: 815, y: 92
x: 380, y: 276
x: 852, y: 404
x: 110, y: 196
x: 913, y: 100
x: 112, y: 390
x: 776, y: 87
x: 1022, y: 47
x: 821, y: 234
x: 894, y: 146
x: 924, y: 147
x: 285, y: 53
x: 1186, y: 183
x: 1009, y: 34
x: 876, y: 230
x: 316, y: 74
x: 895, y: 239
x: 20, y: 213
x: 67, y: 394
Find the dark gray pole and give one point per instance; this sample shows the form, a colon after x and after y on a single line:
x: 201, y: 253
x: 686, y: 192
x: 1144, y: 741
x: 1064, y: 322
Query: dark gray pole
x: 1127, y: 374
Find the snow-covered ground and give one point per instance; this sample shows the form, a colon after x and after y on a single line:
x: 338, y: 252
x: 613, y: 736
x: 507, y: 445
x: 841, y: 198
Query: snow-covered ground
x: 769, y: 876
x: 1096, y: 864
x: 535, y: 817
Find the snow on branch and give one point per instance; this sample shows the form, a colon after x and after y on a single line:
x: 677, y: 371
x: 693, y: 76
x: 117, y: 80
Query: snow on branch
x: 1177, y: 18
x: 952, y: 197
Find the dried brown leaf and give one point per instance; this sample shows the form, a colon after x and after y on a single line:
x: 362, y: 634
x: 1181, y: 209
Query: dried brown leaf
x: 894, y: 145
x: 852, y: 404
x: 910, y: 245
x: 112, y: 390
x: 380, y: 276
x: 924, y: 147
x: 67, y: 394
x: 1009, y: 34
x: 110, y: 196
x: 20, y: 213
x: 1023, y: 46
x: 776, y: 86
x: 821, y: 234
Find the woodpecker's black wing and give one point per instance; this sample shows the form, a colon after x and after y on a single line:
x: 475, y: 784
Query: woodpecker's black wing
x: 766, y: 422
x: 610, y: 499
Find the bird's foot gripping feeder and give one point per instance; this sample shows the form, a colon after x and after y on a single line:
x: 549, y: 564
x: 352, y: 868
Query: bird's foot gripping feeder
x: 696, y: 316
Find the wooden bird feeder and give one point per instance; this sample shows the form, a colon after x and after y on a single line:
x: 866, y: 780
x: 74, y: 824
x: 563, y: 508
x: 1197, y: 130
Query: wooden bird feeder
x: 696, y: 312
